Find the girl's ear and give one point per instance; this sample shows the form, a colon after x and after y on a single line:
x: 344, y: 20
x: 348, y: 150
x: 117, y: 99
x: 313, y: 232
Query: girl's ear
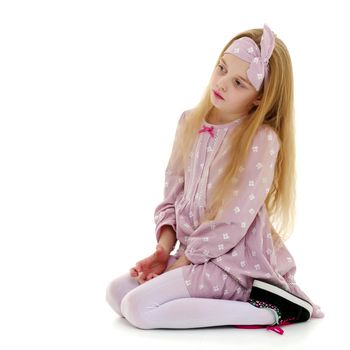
x: 257, y: 101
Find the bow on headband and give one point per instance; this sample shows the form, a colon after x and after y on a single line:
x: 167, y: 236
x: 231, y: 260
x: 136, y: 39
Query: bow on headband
x: 246, y: 49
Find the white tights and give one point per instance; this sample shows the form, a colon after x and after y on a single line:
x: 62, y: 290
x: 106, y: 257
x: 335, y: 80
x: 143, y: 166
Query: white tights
x: 164, y: 302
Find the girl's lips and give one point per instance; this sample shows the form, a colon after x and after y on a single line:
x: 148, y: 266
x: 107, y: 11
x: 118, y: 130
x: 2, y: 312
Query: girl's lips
x: 217, y: 95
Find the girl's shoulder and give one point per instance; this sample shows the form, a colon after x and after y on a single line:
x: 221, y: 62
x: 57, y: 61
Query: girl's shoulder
x: 266, y: 133
x: 184, y: 113
x: 182, y: 118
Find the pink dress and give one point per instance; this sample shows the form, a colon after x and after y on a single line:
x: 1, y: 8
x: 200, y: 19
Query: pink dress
x: 228, y: 253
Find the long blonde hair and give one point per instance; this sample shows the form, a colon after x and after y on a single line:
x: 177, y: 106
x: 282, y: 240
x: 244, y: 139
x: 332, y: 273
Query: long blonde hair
x: 276, y: 109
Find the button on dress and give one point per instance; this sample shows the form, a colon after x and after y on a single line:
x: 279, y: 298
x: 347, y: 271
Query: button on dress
x: 227, y: 253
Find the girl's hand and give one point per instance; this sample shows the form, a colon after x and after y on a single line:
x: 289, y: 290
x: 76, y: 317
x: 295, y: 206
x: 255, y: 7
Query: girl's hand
x: 181, y: 261
x: 152, y: 266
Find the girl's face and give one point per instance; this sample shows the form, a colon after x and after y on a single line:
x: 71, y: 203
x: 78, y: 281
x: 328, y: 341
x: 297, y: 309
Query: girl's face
x: 230, y: 80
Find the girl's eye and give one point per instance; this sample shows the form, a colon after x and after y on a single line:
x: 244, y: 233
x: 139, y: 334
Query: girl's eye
x: 240, y: 84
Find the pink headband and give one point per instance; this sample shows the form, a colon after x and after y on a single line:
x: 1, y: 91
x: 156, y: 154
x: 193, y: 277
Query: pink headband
x: 246, y: 49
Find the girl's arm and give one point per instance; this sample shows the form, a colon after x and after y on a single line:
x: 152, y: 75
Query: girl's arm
x: 167, y: 238
x: 181, y: 261
x: 164, y: 213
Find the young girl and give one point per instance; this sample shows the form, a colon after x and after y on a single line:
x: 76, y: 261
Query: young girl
x: 231, y: 171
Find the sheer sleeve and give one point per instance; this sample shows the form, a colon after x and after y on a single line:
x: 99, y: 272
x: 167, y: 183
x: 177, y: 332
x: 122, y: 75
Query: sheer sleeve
x: 164, y: 213
x: 216, y: 237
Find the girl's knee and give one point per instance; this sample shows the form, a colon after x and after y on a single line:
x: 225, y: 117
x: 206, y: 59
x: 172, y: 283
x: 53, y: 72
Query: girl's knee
x: 116, y: 291
x: 133, y: 310
x: 112, y: 297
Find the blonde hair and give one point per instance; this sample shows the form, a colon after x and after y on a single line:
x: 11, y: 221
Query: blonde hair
x: 276, y: 110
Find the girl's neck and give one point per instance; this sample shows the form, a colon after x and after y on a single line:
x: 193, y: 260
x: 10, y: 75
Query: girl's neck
x: 214, y: 117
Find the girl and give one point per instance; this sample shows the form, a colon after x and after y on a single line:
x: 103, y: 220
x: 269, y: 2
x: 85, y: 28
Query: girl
x: 231, y: 171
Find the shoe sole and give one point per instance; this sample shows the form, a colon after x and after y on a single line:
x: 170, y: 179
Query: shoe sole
x: 284, y: 294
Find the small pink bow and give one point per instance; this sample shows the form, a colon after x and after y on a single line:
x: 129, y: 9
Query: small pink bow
x: 207, y: 128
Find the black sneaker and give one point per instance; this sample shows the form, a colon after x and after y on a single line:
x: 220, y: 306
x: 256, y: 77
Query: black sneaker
x: 288, y: 308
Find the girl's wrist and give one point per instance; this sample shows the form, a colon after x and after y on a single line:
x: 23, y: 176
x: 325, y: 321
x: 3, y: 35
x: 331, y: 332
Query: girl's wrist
x: 166, y: 249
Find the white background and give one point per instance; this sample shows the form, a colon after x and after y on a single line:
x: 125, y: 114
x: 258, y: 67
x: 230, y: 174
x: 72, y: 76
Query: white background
x: 91, y: 92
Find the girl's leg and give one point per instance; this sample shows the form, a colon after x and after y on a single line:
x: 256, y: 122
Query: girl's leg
x: 121, y: 285
x: 117, y: 289
x: 164, y: 302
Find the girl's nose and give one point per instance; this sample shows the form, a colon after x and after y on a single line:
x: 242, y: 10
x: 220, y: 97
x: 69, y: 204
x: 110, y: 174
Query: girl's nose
x: 221, y: 86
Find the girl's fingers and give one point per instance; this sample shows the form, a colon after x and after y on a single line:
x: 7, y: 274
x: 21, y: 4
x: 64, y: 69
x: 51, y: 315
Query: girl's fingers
x: 133, y: 272
x: 151, y: 275
x: 141, y: 277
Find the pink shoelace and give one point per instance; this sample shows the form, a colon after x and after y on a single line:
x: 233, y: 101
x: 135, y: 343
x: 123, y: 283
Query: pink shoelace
x: 207, y: 128
x: 274, y: 328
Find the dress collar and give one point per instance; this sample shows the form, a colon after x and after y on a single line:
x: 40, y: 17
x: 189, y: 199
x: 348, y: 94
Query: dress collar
x: 210, y: 127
